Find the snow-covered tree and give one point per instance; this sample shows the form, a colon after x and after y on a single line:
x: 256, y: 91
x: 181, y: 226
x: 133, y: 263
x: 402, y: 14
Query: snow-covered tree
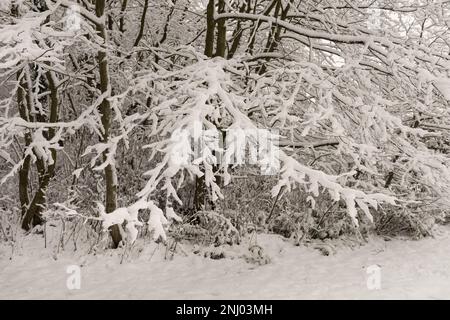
x: 359, y: 93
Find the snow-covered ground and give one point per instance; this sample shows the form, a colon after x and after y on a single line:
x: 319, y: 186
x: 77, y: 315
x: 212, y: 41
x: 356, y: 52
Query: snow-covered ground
x: 408, y: 269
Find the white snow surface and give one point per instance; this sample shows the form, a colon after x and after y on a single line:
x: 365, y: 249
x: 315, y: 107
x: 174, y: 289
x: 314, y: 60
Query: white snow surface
x: 410, y: 269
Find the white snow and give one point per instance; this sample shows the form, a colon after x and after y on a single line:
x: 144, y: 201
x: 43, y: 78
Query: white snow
x: 409, y: 270
x: 443, y: 84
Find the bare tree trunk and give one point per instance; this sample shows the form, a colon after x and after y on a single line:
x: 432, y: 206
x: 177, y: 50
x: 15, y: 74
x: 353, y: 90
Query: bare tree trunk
x: 210, y: 29
x: 105, y: 109
x: 201, y: 191
x: 220, y: 52
x: 238, y: 32
x: 200, y: 194
x: 221, y: 32
x: 122, y: 16
x: 33, y: 214
x: 25, y: 169
x: 142, y: 25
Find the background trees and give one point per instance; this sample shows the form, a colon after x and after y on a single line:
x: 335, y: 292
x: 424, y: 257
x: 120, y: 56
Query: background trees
x: 359, y: 93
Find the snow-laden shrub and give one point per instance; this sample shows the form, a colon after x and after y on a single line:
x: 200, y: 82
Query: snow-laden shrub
x: 350, y: 166
x: 129, y: 216
x: 206, y: 91
x: 209, y: 228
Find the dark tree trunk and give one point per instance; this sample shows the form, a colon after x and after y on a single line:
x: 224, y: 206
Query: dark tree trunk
x: 25, y: 169
x: 105, y: 109
x: 221, y: 32
x: 142, y: 25
x: 200, y: 193
x: 33, y: 215
x: 123, y: 8
x: 210, y: 29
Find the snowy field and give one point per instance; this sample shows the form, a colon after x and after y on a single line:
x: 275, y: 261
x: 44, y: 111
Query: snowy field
x: 408, y: 269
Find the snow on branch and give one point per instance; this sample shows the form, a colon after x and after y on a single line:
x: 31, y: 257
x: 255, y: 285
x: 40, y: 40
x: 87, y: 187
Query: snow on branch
x: 204, y: 93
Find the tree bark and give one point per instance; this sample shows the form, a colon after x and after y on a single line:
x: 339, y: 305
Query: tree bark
x: 123, y: 8
x: 200, y: 194
x: 25, y: 168
x: 210, y: 29
x: 221, y: 32
x: 33, y: 215
x: 105, y: 109
x: 142, y: 25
